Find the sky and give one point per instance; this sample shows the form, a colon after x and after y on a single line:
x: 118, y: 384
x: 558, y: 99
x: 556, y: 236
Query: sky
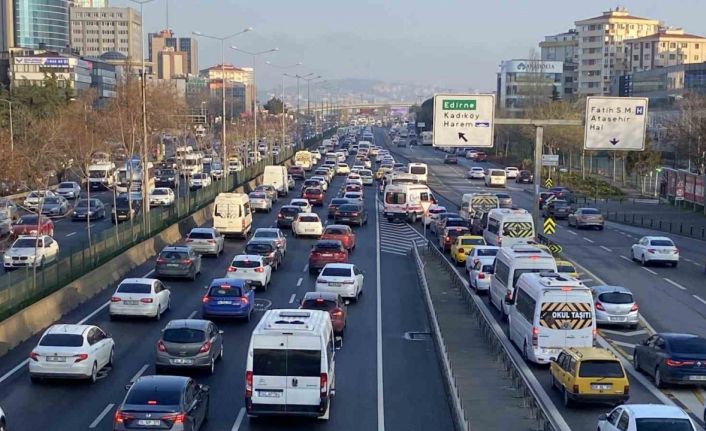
x: 447, y: 43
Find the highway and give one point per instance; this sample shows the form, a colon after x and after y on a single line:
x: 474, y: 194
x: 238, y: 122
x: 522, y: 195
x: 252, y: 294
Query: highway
x: 670, y: 299
x: 383, y: 379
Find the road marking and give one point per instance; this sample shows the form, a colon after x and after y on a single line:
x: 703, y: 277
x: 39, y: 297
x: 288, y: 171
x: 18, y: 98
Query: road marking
x: 139, y: 373
x: 696, y: 263
x: 700, y: 299
x: 380, y: 386
x: 293, y: 297
x: 70, y: 234
x: 395, y: 252
x: 626, y: 258
x: 649, y: 270
x: 239, y: 419
x: 193, y: 313
x: 14, y: 370
x: 306, y: 268
x: 606, y: 249
x: 299, y: 282
x: 624, y: 333
x: 100, y: 417
x: 624, y: 344
x: 96, y: 311
x: 572, y: 232
x: 589, y: 240
x: 674, y: 283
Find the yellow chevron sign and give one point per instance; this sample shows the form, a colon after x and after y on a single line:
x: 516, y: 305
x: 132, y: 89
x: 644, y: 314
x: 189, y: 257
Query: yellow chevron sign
x: 554, y: 248
x: 549, y: 183
x: 549, y: 226
x: 518, y: 229
x: 566, y: 315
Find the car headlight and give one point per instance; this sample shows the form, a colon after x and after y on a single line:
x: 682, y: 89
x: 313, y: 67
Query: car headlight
x: 75, y: 213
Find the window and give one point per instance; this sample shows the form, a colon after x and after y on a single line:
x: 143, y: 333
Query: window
x: 62, y: 340
x: 662, y: 424
x: 672, y: 56
x: 525, y: 305
x: 135, y: 288
x: 183, y: 335
x: 601, y: 368
x: 673, y: 45
x: 493, y: 226
x: 613, y: 416
x: 624, y: 422
x: 502, y: 272
x: 150, y: 395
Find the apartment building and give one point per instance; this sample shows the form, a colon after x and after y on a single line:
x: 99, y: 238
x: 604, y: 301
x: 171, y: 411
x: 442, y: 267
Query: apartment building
x: 563, y: 47
x: 667, y: 47
x: 96, y: 31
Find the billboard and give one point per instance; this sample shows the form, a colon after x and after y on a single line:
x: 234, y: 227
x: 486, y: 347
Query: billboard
x: 47, y: 62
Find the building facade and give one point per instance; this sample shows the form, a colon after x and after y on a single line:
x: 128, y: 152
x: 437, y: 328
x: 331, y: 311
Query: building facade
x: 96, y: 31
x: 564, y: 47
x: 667, y: 47
x: 165, y: 39
x: 88, y: 3
x: 34, y: 24
x: 603, y: 51
x: 190, y: 46
x: 663, y: 85
x: 171, y: 64
x: 522, y: 83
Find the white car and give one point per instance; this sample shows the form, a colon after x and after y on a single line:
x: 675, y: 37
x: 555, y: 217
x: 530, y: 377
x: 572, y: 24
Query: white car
x: 322, y: 182
x: 301, y: 203
x: 31, y: 250
x: 34, y: 197
x: 69, y: 190
x: 655, y: 249
x: 353, y: 195
x: 432, y: 214
x: 480, y: 252
x: 511, y: 172
x: 343, y: 169
x: 475, y: 173
x: 636, y: 417
x: 344, y: 279
x: 480, y: 272
x: 355, y: 179
x: 251, y: 268
x: 366, y: 176
x: 71, y: 351
x: 162, y: 196
x: 259, y: 201
x: 200, y: 180
x: 471, y: 154
x: 140, y: 297
x: 367, y: 163
x: 307, y: 224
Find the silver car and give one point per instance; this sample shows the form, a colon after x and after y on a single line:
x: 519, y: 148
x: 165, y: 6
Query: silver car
x: 189, y: 343
x: 259, y: 201
x: 615, y: 305
x: 205, y: 240
x: 272, y: 234
x: 69, y: 190
x: 54, y: 206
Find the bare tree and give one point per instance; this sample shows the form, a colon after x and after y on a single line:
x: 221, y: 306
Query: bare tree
x: 688, y: 132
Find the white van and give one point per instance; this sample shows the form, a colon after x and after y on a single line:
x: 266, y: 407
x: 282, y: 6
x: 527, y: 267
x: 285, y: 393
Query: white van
x: 472, y: 202
x: 551, y: 312
x: 232, y: 214
x: 276, y: 176
x: 510, y: 264
x: 418, y: 169
x: 495, y: 177
x: 404, y: 201
x: 291, y: 364
x: 507, y: 227
x: 427, y: 138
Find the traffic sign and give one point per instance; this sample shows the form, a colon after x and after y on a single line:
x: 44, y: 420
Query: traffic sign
x: 550, y: 160
x: 425, y: 206
x: 463, y: 120
x: 549, y: 183
x: 549, y: 226
x: 615, y: 123
x: 554, y: 248
x: 421, y: 124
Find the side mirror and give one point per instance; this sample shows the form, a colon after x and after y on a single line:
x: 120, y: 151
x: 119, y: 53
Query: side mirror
x: 204, y: 388
x: 347, y: 302
x: 603, y: 418
x: 338, y: 342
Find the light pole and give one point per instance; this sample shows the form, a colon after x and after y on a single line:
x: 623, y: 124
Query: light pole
x: 12, y: 135
x: 296, y: 117
x: 254, y: 56
x: 308, y: 99
x: 224, y: 146
x: 299, y: 63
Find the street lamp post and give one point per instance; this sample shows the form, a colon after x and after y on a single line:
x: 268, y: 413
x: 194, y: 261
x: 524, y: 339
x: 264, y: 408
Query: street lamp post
x: 308, y: 100
x: 299, y: 63
x: 298, y: 77
x: 12, y: 134
x: 224, y: 146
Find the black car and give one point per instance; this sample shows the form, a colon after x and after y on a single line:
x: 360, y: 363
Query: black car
x: 351, y: 214
x: 286, y: 215
x: 672, y: 358
x: 166, y: 178
x: 125, y: 209
x: 86, y: 208
x: 557, y: 208
x: 451, y: 159
x: 267, y: 249
x: 543, y: 198
x: 334, y: 204
x: 525, y: 177
x: 173, y: 403
x: 562, y: 193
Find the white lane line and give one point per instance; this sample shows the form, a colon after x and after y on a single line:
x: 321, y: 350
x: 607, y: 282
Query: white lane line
x: 700, y: 299
x: 239, y: 419
x: 623, y: 343
x: 100, y: 417
x: 380, y: 386
x: 675, y: 284
x: 696, y: 263
x: 299, y: 282
x: 96, y: 311
x: 14, y: 370
x: 625, y: 258
x: 292, y: 298
x: 139, y: 373
x: 649, y: 270
x: 306, y: 268
x: 589, y: 240
x: 395, y: 252
x: 606, y: 249
x: 572, y: 232
x: 70, y: 234
x: 193, y: 313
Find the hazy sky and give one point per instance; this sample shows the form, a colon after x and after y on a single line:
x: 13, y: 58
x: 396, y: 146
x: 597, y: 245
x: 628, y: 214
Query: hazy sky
x: 448, y: 43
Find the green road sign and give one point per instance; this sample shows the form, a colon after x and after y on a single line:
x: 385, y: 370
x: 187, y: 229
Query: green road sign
x: 459, y: 105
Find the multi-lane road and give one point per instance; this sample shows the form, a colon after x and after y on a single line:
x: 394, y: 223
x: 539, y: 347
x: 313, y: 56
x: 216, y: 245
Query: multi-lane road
x: 384, y: 380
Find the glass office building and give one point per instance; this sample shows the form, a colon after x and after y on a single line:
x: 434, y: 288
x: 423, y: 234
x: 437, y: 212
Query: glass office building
x: 42, y: 24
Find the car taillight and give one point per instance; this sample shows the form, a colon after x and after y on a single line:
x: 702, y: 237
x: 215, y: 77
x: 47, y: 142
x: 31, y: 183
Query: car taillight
x: 626, y: 389
x: 599, y: 306
x: 242, y: 223
x: 260, y: 269
x: 160, y: 260
x: 177, y: 418
x: 348, y: 282
x: 189, y: 240
x: 244, y: 300
x: 115, y: 299
x: 321, y: 280
x: 186, y: 261
x: 535, y: 336
x: 161, y: 347
x: 338, y: 313
x: 34, y: 356
x: 500, y: 242
x: 576, y: 389
x: 147, y: 300
x: 205, y: 347
x: 211, y: 241
x: 231, y: 269
x: 323, y: 384
x: 205, y: 299
x: 634, y: 307
x: 354, y: 214
x: 80, y: 357
x: 676, y: 363
x: 120, y: 417
x: 447, y: 239
x: 675, y: 251
x: 248, y: 383
x: 279, y: 215
x: 481, y: 276
x: 651, y: 250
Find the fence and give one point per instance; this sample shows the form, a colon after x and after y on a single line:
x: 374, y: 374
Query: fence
x: 671, y: 226
x: 25, y: 286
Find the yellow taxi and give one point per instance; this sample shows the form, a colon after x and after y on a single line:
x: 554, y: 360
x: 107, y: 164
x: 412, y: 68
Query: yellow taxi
x: 463, y: 245
x: 381, y: 173
x: 567, y: 268
x: 591, y: 375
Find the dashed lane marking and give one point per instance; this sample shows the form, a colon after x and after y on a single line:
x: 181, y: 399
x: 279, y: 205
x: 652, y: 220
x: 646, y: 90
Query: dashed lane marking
x: 193, y: 313
x: 572, y: 232
x: 700, y: 299
x: 588, y: 240
x: 674, y: 283
x: 70, y: 234
x: 293, y: 297
x: 625, y: 258
x: 102, y: 415
x: 649, y: 270
x: 139, y: 373
x: 606, y: 249
x: 299, y: 282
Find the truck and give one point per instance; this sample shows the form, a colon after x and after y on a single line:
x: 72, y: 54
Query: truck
x: 303, y: 159
x: 101, y: 175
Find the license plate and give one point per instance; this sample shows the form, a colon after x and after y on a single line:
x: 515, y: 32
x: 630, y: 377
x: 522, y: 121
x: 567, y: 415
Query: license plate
x: 56, y: 359
x: 334, y: 284
x: 149, y: 422
x: 173, y: 265
x: 224, y: 302
x: 182, y: 361
x: 131, y: 302
x: 597, y: 387
x: 327, y: 255
x: 698, y: 378
x: 269, y: 394
x: 618, y: 319
x: 665, y: 251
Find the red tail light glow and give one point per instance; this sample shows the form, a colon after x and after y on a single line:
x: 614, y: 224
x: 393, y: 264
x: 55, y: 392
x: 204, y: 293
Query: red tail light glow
x: 205, y: 299
x: 244, y: 300
x: 248, y: 383
x: 186, y: 261
x: 160, y: 260
x: 535, y: 336
x: 676, y: 363
x: 231, y: 269
x: 337, y: 313
x: 120, y: 417
x: 115, y: 299
x: 205, y: 347
x: 651, y: 250
x: 147, y: 300
x: 34, y: 356
x: 323, y: 384
x: 80, y: 357
x: 161, y: 347
x: 634, y: 307
x: 599, y: 306
x: 177, y: 418
x: 481, y: 276
x: 260, y: 269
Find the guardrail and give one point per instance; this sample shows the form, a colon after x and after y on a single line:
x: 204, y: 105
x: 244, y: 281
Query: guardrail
x: 652, y: 222
x: 534, y: 397
x: 24, y: 286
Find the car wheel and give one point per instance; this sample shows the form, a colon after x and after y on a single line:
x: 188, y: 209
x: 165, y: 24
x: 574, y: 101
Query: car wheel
x: 94, y: 373
x: 635, y: 363
x: 642, y: 260
x: 110, y: 358
x: 658, y: 379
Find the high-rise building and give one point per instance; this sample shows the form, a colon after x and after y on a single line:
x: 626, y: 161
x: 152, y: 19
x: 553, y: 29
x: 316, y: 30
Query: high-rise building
x: 88, y: 3
x: 522, y: 83
x: 170, y: 64
x: 564, y: 47
x: 34, y: 24
x: 667, y: 47
x: 603, y: 50
x: 190, y: 46
x: 157, y: 42
x: 238, y: 83
x: 96, y: 31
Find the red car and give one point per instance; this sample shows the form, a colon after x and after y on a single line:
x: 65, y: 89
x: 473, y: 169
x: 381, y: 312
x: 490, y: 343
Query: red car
x: 341, y: 233
x: 315, y: 196
x: 327, y: 301
x: 449, y: 235
x: 326, y: 251
x: 296, y: 172
x: 31, y: 224
x: 481, y: 157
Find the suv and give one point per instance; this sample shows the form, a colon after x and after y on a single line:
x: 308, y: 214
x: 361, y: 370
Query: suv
x: 589, y: 374
x: 557, y: 208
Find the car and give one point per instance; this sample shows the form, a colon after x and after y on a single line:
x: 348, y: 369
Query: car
x: 462, y: 245
x: 557, y: 208
x: 206, y: 240
x: 432, y: 214
x: 562, y: 193
x: 272, y: 234
x: 303, y: 204
x: 286, y: 215
x: 481, y: 157
x: 178, y: 261
x: 480, y: 252
x: 367, y: 164
x: 216, y: 171
x: 586, y: 217
x: 352, y: 187
x: 475, y: 173
x: 524, y: 176
x: 342, y: 169
x: 638, y: 417
x: 31, y: 251
x: 269, y: 189
x: 260, y: 201
x: 8, y: 210
x: 351, y: 213
x: 323, y: 184
x: 54, y: 206
x: 471, y: 154
x: 167, y: 177
x: 479, y: 272
x: 127, y: 207
x: 567, y: 268
x: 672, y: 358
x: 451, y: 159
x: 326, y: 251
x: 651, y: 249
x: 170, y: 403
x: 478, y: 222
x: 448, y: 235
x: 307, y: 224
x: 545, y: 197
x: 435, y: 226
x: 504, y: 200
x: 34, y: 198
x: 297, y: 172
x: 324, y: 173
x: 354, y: 196
x: 615, y: 305
x: 450, y: 221
x: 354, y: 179
x: 341, y: 233
x: 511, y: 172
x: 161, y: 197
x: 68, y: 351
x: 268, y: 249
x: 589, y: 374
x: 31, y: 224
x: 140, y: 297
x: 68, y: 190
x: 314, y: 195
x: 344, y: 279
x: 380, y: 173
x: 228, y: 297
x: 199, y: 181
x: 188, y: 344
x: 251, y: 268
x: 334, y: 204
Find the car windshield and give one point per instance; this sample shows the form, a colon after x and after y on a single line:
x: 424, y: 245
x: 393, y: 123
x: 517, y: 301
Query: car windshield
x: 183, y: 335
x: 289, y: 211
x: 224, y: 291
x: 135, y: 288
x: 61, y: 340
x: 245, y: 264
x: 335, y: 231
x: 663, y: 424
x: 51, y: 201
x: 258, y: 248
x: 455, y: 222
x: 688, y: 345
x: 336, y: 272
x: 601, y: 368
x: 472, y: 241
x: 590, y: 211
x: 561, y: 204
x: 336, y: 202
x: 84, y: 203
x: 488, y: 269
x: 495, y: 173
x: 349, y: 208
x: 66, y: 186
x: 26, y: 243
x: 152, y: 395
x: 565, y: 268
x: 662, y: 243
x: 616, y: 298
x: 200, y: 235
x: 265, y: 234
x: 257, y: 196
x: 418, y: 170
x: 484, y: 252
x: 160, y: 192
x: 174, y: 255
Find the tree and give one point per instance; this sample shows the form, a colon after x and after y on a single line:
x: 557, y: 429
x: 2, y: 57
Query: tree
x: 643, y: 163
x: 274, y: 106
x: 688, y: 132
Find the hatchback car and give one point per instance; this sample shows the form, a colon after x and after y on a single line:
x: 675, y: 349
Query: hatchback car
x: 272, y: 234
x: 88, y: 208
x: 161, y: 197
x: 638, y: 417
x: 651, y: 249
x: 524, y: 176
x: 206, y: 240
x: 615, y: 305
x: 178, y: 261
x: 479, y: 272
x: 462, y: 245
x: 330, y: 302
x: 199, y: 181
x: 228, y: 297
x: 297, y: 172
x: 307, y: 224
x: 268, y: 249
x: 325, y: 252
x: 170, y: 403
x: 586, y: 217
x: 351, y: 214
x: 251, y: 268
x: 344, y: 279
x: 286, y: 215
x: 475, y: 173
x: 341, y: 233
x: 504, y: 200
x: 451, y: 159
x: 140, y: 297
x: 314, y: 195
x: 259, y: 201
x: 303, y: 204
x: 68, y: 351
x: 189, y: 343
x: 31, y: 224
x: 511, y: 172
x: 311, y: 182
x: 355, y: 196
x: 69, y: 190
x: 564, y: 267
x: 672, y: 358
